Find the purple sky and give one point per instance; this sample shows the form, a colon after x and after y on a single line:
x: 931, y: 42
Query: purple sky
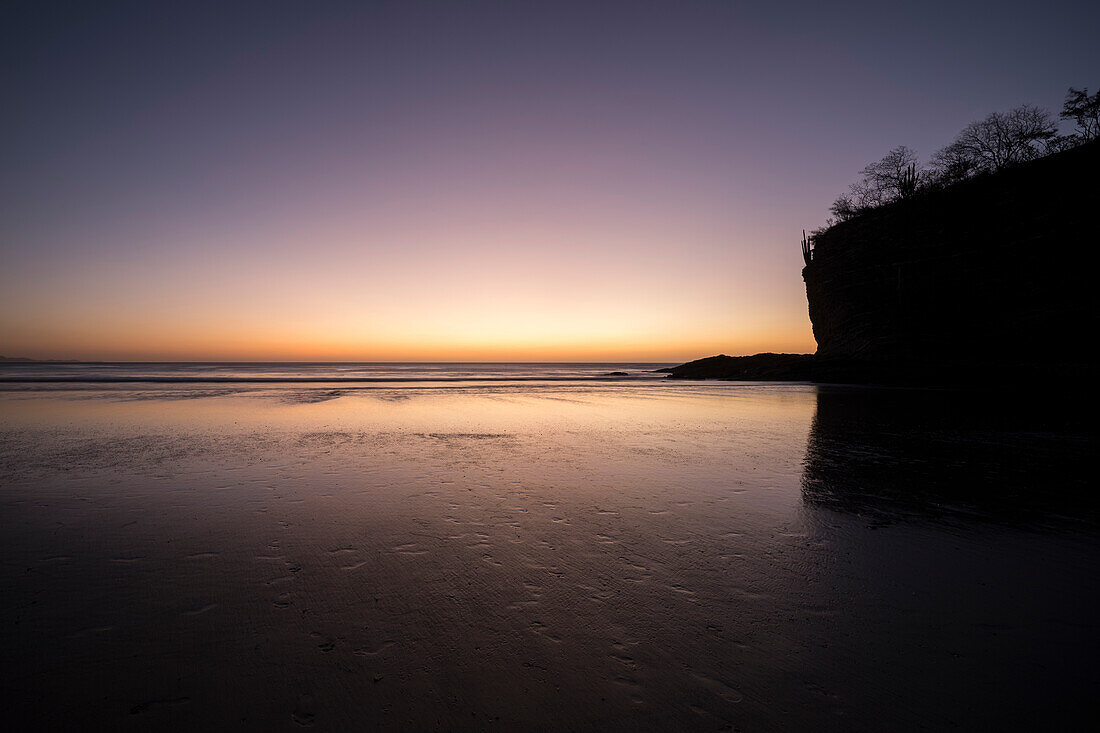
x: 462, y: 180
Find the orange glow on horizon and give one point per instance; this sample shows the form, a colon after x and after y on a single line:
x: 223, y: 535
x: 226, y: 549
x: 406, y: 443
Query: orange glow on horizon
x: 311, y: 347
x: 506, y: 295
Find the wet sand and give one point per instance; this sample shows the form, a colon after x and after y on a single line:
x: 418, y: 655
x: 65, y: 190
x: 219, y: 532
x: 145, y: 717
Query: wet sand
x: 555, y: 557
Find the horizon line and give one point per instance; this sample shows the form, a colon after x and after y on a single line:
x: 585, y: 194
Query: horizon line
x: 27, y: 360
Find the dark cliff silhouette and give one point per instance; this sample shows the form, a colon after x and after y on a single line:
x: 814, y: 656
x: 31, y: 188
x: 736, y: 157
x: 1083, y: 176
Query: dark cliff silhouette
x: 990, y: 274
x: 986, y: 280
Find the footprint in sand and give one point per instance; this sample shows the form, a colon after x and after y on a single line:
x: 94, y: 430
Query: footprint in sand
x: 326, y: 645
x: 409, y: 548
x: 540, y: 628
x: 280, y: 580
x: 365, y: 651
x: 625, y: 660
x: 719, y: 688
x: 303, y: 719
x: 628, y: 682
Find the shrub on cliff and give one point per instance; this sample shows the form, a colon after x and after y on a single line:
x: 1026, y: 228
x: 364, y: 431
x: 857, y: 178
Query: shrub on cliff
x: 1000, y: 140
x: 1085, y: 113
x: 894, y: 177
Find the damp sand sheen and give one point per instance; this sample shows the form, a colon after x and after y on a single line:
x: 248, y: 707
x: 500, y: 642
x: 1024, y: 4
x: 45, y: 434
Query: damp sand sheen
x: 535, y: 554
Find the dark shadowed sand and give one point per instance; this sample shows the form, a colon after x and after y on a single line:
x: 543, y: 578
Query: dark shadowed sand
x: 567, y: 557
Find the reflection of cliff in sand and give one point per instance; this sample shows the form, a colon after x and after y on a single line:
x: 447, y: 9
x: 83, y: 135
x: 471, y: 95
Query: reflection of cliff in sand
x: 950, y: 456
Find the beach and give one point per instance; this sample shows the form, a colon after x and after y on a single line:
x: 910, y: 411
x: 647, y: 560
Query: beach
x: 550, y: 555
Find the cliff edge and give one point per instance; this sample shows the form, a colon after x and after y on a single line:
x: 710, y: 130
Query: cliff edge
x: 991, y: 274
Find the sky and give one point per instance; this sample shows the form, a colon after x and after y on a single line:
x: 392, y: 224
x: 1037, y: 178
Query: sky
x: 467, y: 181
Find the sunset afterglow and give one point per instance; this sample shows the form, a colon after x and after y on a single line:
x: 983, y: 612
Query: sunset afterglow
x: 475, y: 181
x: 548, y: 365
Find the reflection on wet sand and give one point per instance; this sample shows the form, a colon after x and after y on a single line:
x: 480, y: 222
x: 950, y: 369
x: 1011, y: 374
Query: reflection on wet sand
x: 658, y: 557
x: 950, y: 456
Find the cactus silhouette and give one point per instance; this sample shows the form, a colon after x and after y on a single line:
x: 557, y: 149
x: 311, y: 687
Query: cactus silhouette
x: 907, y: 182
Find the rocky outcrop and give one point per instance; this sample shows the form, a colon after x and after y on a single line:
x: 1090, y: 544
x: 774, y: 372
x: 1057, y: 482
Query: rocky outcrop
x: 991, y: 274
x: 987, y: 281
x: 784, y: 367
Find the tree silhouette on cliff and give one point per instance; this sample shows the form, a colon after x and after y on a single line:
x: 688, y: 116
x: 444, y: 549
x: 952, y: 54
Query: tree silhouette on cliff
x: 999, y: 141
x: 1084, y: 111
x: 895, y: 176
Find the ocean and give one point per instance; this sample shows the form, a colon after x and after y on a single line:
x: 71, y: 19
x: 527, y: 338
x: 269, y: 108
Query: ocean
x: 320, y: 372
x: 537, y: 547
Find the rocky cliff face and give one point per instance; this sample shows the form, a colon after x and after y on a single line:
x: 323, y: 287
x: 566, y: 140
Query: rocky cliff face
x: 991, y: 272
